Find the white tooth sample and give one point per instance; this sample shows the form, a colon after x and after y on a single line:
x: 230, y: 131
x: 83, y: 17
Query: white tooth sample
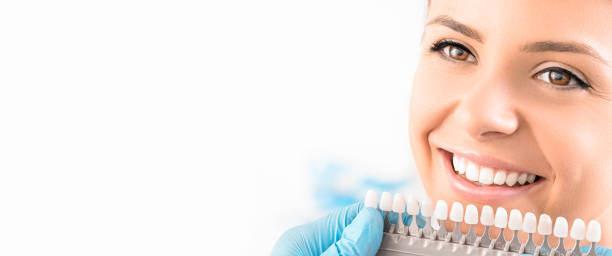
x: 386, y: 201
x: 412, y: 205
x: 371, y: 199
x: 560, y: 229
x: 501, y: 218
x: 456, y: 213
x: 529, y: 223
x: 471, y: 172
x: 531, y: 178
x: 500, y: 177
x: 456, y: 163
x: 486, y: 176
x: 545, y: 225
x: 441, y: 211
x: 578, y: 229
x: 511, y: 179
x: 427, y: 208
x: 399, y: 203
x: 516, y: 220
x: 471, y: 214
x: 593, y: 234
x: 462, y: 165
x: 522, y: 178
x: 486, y: 217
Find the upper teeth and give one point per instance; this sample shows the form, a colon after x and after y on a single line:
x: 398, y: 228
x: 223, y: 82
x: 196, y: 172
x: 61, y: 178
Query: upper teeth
x: 487, y: 175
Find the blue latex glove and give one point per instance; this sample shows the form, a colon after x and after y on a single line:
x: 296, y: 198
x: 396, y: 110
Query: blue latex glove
x: 353, y: 230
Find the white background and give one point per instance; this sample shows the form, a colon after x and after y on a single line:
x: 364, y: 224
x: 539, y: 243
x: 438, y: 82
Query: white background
x: 185, y: 127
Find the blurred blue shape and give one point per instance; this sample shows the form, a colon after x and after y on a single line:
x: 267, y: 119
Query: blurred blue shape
x: 331, y: 192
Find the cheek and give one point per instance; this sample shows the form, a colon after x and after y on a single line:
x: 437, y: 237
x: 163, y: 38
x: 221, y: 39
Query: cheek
x: 428, y: 108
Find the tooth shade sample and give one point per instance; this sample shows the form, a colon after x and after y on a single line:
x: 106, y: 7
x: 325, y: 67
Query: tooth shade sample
x: 561, y: 228
x: 511, y: 178
x: 471, y: 173
x: 399, y: 203
x: 501, y: 218
x: 486, y: 176
x: 456, y: 213
x: 593, y: 234
x: 529, y: 223
x: 578, y: 229
x: 500, y: 177
x: 531, y: 178
x: 545, y: 225
x: 371, y: 199
x: 412, y: 206
x: 516, y: 220
x: 386, y: 201
x: 441, y: 211
x: 486, y: 218
x: 427, y: 208
x: 471, y: 214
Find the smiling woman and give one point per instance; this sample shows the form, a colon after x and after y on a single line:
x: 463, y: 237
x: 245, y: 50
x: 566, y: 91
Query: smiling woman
x: 511, y: 107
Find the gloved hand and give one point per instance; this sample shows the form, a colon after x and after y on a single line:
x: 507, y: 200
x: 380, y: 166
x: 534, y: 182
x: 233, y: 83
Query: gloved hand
x: 353, y: 230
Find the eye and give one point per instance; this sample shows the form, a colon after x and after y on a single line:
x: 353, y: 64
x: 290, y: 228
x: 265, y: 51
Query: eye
x: 453, y: 50
x: 561, y: 77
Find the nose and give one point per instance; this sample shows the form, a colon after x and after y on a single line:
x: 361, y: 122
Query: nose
x: 486, y: 111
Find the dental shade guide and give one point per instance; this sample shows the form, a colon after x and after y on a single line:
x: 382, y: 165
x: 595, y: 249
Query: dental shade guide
x: 399, y: 239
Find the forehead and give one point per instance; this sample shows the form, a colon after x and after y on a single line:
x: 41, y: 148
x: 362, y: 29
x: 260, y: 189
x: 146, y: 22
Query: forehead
x: 520, y: 21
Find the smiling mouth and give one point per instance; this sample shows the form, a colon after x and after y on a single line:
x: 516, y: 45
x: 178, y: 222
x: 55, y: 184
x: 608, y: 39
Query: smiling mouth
x: 487, y: 176
x: 486, y: 179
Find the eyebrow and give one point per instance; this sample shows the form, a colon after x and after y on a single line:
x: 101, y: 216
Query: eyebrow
x: 574, y: 47
x: 542, y: 46
x: 449, y: 22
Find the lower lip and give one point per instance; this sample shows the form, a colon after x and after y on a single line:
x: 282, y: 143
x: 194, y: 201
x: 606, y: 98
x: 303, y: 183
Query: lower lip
x: 483, y: 194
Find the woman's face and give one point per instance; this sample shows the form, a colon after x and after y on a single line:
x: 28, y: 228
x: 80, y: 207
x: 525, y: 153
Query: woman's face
x: 517, y: 88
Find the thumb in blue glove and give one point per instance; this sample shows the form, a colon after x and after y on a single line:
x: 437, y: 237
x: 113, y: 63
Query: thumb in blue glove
x: 353, y: 230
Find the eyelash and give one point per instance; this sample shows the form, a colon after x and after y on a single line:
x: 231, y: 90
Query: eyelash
x: 439, y: 45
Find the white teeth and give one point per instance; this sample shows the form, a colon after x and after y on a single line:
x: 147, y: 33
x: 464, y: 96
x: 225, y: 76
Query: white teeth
x: 386, y: 201
x: 529, y: 223
x: 545, y: 225
x: 399, y: 203
x: 522, y: 178
x: 560, y: 230
x: 462, y: 166
x: 441, y: 211
x: 501, y: 218
x: 455, y: 162
x: 471, y: 172
x: 531, y: 178
x: 511, y: 179
x: 412, y: 205
x: 578, y: 229
x: 593, y: 234
x: 516, y: 220
x: 486, y: 176
x: 371, y: 199
x: 487, y: 218
x: 471, y: 214
x: 456, y: 213
x: 500, y: 177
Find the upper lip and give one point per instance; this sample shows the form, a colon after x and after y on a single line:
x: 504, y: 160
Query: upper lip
x: 488, y: 161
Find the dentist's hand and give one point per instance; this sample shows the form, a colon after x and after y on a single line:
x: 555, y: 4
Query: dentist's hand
x: 353, y: 230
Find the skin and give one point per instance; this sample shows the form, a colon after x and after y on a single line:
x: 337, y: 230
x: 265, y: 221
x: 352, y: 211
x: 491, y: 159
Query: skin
x: 497, y: 106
